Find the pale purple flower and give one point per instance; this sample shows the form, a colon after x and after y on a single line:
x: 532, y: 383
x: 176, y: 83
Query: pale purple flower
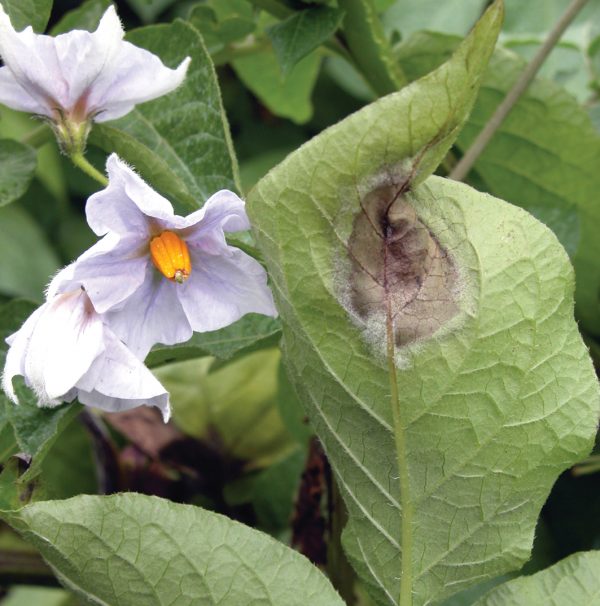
x: 216, y: 286
x: 64, y: 351
x: 80, y: 75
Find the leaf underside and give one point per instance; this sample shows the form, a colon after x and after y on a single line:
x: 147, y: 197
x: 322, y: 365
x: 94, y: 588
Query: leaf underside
x: 386, y: 281
x: 136, y: 550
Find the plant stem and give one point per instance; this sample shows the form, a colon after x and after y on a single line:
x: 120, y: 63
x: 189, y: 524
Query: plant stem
x: 590, y: 465
x: 461, y: 170
x: 370, y: 48
x: 38, y: 137
x: 80, y: 162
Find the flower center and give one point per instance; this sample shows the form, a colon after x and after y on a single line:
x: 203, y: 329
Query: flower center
x: 171, y: 257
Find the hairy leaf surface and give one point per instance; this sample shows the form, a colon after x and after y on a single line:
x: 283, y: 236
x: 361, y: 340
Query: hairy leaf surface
x: 543, y: 158
x: 135, y: 550
x: 180, y: 143
x: 429, y: 330
x: 573, y: 580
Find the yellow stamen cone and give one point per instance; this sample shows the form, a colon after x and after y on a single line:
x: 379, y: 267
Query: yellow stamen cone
x: 171, y: 257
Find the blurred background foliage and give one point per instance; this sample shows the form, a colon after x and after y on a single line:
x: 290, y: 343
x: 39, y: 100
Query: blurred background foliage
x: 239, y: 443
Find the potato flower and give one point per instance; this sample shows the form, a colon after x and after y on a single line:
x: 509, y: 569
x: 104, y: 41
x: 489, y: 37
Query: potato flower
x: 156, y: 276
x: 64, y: 350
x: 79, y: 77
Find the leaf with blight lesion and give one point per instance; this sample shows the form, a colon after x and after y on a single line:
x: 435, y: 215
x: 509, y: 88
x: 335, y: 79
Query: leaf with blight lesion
x: 429, y: 330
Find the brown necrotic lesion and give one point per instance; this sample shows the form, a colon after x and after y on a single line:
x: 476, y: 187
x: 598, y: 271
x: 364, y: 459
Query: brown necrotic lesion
x: 398, y: 267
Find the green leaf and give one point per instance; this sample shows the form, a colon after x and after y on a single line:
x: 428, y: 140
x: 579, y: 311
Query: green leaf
x: 238, y: 402
x: 148, y: 10
x: 573, y: 580
x: 69, y: 468
x: 180, y: 143
x: 36, y: 429
x: 40, y: 596
x: 275, y: 490
x: 452, y: 16
x: 86, y: 17
x: 291, y: 410
x: 429, y: 331
x: 288, y: 95
x: 28, y: 12
x: 17, y: 167
x: 543, y: 158
x: 28, y: 262
x: 250, y: 333
x: 135, y: 550
x: 302, y: 32
x: 218, y: 33
x: 552, y: 173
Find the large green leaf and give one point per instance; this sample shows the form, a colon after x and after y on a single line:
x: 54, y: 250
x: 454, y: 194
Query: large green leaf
x: 180, y: 143
x: 429, y: 331
x: 544, y: 158
x: 574, y: 580
x: 17, y: 166
x: 28, y: 12
x: 453, y: 16
x: 135, y: 550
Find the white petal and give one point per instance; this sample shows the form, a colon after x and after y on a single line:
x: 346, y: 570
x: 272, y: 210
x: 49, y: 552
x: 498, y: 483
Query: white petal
x: 153, y: 314
x: 119, y: 381
x: 221, y: 289
x: 67, y: 338
x: 32, y: 60
x: 15, y: 358
x: 13, y: 95
x: 84, y: 57
x: 127, y: 204
x: 110, y: 271
x: 138, y: 76
x: 224, y: 210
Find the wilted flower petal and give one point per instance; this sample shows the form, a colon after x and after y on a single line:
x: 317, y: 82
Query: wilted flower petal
x: 64, y: 350
x: 222, y: 284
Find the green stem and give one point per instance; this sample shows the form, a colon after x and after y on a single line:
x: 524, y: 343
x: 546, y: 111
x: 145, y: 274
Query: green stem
x: 370, y: 48
x: 80, y: 162
x: 461, y: 170
x: 406, y: 540
x: 38, y: 137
